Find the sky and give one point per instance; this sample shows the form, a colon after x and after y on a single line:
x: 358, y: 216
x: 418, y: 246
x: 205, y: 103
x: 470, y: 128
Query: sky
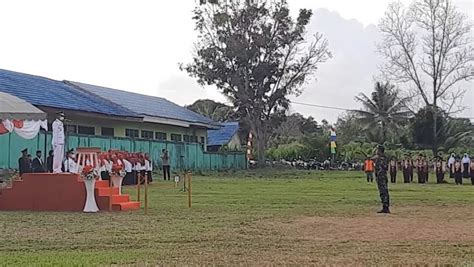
x: 137, y: 46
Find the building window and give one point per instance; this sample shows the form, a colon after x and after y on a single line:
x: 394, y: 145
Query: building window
x: 186, y: 138
x: 107, y: 131
x: 190, y: 138
x: 176, y: 137
x: 71, y: 128
x: 147, y: 134
x: 132, y: 133
x: 86, y: 130
x: 203, y: 139
x: 161, y: 136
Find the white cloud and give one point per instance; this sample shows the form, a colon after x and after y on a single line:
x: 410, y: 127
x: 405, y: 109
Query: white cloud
x: 137, y: 45
x: 185, y: 90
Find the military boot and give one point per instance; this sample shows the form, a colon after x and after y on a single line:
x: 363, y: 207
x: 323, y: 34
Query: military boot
x: 384, y: 210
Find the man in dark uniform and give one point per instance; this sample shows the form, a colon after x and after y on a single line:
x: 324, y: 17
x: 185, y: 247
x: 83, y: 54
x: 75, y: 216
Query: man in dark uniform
x: 49, y: 162
x: 381, y: 168
x: 37, y: 166
x: 24, y: 165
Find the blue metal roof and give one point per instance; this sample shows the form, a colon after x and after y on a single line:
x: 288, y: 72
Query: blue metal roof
x: 147, y: 105
x: 223, y: 135
x: 46, y: 92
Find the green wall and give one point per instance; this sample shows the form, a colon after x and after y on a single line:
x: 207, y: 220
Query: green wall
x: 182, y: 155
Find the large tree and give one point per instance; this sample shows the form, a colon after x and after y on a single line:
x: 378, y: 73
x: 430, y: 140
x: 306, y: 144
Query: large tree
x: 214, y: 110
x: 383, y: 111
x: 427, y: 46
x: 257, y: 55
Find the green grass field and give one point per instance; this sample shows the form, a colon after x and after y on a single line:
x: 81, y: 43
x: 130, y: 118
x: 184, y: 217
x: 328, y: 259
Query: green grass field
x: 257, y: 218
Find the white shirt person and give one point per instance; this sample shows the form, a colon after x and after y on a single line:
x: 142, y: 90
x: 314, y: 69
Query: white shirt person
x: 58, y: 143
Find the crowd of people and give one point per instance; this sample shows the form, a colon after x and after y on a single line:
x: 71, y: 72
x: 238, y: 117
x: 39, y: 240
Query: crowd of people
x: 455, y: 166
x: 110, y: 162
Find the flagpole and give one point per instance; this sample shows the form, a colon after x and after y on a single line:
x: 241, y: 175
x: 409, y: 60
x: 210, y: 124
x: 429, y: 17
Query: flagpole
x: 332, y: 144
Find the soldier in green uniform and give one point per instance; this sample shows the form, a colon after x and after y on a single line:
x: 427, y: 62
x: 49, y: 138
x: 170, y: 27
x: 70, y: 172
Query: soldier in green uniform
x: 381, y: 168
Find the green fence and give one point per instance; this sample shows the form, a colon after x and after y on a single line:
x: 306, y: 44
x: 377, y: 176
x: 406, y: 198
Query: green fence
x: 182, y: 155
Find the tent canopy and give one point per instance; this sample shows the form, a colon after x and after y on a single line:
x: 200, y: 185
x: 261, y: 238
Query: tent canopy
x: 14, y: 108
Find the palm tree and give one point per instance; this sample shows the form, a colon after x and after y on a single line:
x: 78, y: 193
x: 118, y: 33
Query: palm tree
x: 456, y: 134
x: 384, y: 112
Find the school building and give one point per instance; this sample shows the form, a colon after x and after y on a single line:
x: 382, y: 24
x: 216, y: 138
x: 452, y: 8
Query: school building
x: 111, y: 118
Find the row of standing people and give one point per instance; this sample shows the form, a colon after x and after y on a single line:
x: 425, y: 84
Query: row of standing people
x: 458, y: 169
x: 133, y: 164
x: 37, y: 165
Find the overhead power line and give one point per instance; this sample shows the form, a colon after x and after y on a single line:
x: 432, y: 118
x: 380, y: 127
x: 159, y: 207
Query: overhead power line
x: 330, y: 107
x: 344, y: 109
x: 319, y: 106
x: 308, y: 104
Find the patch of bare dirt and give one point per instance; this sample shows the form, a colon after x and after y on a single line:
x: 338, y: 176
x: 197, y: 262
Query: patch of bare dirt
x: 429, y: 224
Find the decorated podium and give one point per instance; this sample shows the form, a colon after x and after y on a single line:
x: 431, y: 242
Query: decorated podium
x: 82, y: 191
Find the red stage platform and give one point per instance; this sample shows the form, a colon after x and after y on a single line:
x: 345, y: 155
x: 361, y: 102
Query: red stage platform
x: 59, y: 192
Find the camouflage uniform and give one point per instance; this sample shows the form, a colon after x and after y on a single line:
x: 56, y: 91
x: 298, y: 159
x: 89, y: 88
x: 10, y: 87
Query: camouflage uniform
x: 381, y: 167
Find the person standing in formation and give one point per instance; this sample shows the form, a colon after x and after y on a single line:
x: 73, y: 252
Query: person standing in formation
x: 128, y: 179
x: 471, y: 170
x: 465, y: 164
x: 38, y: 165
x: 24, y: 165
x: 439, y: 170
x: 381, y: 168
x: 148, y: 168
x: 70, y: 162
x: 451, y: 161
x: 407, y: 170
x: 419, y: 169
x: 393, y: 170
x: 49, y: 162
x: 369, y: 167
x: 58, y: 142
x: 104, y: 167
x: 165, y: 159
x: 457, y: 171
x: 138, y: 169
x: 425, y: 169
x: 108, y: 166
x: 30, y: 162
x: 133, y: 161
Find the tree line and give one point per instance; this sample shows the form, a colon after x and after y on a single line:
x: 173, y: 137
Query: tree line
x: 257, y: 55
x: 357, y: 132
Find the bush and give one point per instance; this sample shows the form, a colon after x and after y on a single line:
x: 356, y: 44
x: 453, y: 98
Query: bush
x: 285, y: 151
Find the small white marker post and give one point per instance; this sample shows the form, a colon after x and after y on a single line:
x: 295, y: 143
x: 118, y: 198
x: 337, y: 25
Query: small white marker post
x: 176, y: 180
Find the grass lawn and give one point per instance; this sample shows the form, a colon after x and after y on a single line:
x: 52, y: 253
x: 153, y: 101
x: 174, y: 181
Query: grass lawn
x: 257, y: 218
